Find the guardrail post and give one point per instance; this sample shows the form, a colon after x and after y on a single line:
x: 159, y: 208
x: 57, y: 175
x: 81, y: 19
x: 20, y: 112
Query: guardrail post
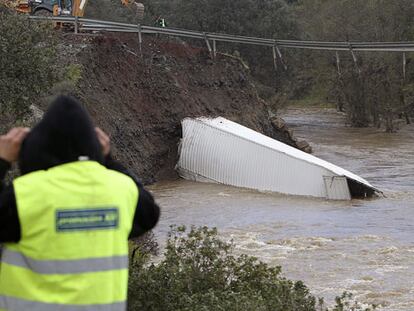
x: 274, y: 57
x: 208, y: 46
x: 140, y: 39
x: 76, y: 24
x: 354, y: 58
x: 338, y: 64
x: 404, y: 65
x: 275, y: 47
x: 214, y: 49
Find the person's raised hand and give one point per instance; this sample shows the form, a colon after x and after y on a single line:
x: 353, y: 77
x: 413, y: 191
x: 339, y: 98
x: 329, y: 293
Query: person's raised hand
x: 104, y: 140
x: 11, y: 142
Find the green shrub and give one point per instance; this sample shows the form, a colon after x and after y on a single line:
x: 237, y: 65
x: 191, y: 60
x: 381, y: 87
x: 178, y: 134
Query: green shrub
x: 73, y: 73
x: 27, y: 62
x: 199, y: 272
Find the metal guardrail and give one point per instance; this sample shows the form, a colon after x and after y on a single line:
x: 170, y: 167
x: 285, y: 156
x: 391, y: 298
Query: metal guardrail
x: 85, y: 24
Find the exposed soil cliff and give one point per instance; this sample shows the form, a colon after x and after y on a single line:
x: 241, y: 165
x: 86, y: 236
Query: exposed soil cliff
x: 140, y: 101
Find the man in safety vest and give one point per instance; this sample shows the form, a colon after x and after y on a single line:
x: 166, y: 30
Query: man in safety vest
x: 160, y: 22
x: 65, y: 222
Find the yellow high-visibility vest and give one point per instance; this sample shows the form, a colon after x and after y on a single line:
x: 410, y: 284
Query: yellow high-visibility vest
x: 73, y: 254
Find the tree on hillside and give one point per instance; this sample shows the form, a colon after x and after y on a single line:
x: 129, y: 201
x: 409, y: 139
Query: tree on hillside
x: 27, y: 59
x: 372, y: 88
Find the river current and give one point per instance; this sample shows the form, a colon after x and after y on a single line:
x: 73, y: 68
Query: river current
x: 362, y: 246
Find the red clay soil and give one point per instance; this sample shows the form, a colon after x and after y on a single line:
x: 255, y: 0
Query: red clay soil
x: 140, y: 101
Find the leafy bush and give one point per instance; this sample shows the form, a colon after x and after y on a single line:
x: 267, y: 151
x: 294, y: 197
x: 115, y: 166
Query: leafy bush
x: 27, y: 61
x: 141, y: 249
x: 200, y: 273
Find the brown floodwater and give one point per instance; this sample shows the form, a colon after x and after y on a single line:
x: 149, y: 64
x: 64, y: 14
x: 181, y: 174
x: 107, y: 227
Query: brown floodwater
x: 362, y: 246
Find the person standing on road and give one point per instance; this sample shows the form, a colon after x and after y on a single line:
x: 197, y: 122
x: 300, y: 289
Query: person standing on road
x: 66, y: 220
x: 160, y: 22
x: 64, y: 7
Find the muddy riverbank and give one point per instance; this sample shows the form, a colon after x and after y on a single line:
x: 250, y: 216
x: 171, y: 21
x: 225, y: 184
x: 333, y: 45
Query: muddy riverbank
x: 140, y: 100
x: 362, y: 246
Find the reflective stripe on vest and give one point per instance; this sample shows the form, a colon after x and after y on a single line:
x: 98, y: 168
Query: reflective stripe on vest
x: 73, y: 253
x: 64, y: 266
x: 16, y: 304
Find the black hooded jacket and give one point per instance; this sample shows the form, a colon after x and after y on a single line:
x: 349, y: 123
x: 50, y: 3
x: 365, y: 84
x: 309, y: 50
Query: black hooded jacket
x: 65, y: 134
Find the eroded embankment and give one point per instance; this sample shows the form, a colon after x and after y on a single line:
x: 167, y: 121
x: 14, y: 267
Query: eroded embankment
x: 141, y: 101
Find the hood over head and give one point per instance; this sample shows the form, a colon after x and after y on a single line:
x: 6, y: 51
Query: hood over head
x: 64, y: 134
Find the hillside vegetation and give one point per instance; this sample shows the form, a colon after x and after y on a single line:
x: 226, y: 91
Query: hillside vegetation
x: 27, y: 62
x: 373, y: 91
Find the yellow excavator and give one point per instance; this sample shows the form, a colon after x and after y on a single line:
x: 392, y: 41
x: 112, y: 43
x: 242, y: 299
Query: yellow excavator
x: 62, y: 7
